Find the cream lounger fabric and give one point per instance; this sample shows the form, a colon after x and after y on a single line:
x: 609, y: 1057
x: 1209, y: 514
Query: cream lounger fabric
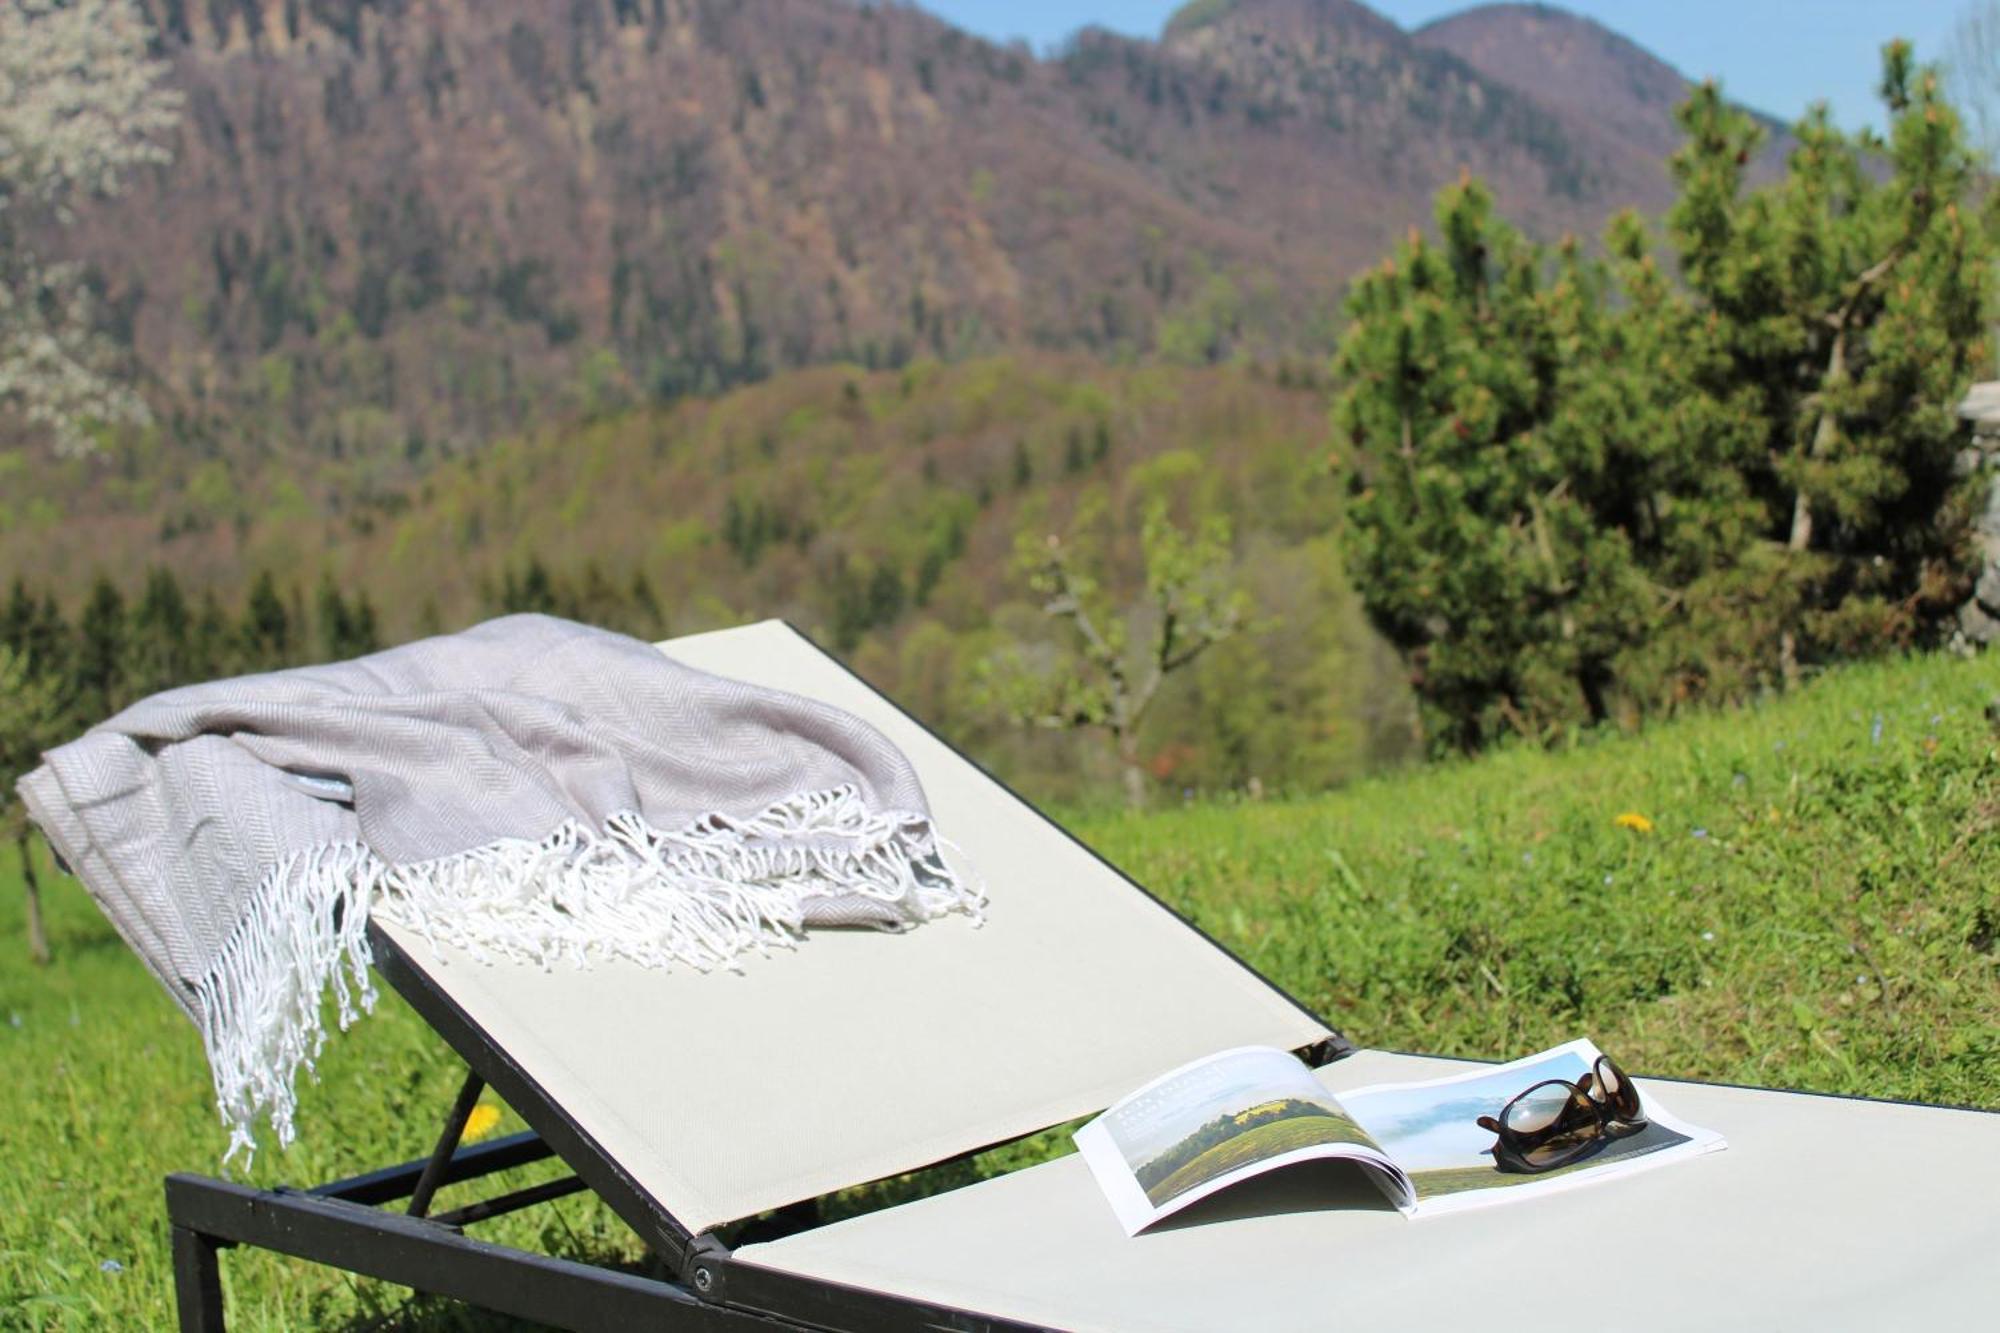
x: 861, y: 1054
x: 1822, y: 1214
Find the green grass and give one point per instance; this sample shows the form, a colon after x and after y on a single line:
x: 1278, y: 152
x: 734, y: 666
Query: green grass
x: 1814, y: 908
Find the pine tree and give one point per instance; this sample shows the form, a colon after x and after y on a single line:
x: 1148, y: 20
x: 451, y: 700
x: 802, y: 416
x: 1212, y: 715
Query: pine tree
x: 1581, y: 487
x: 162, y: 630
x: 364, y: 635
x: 101, y: 651
x: 210, y: 650
x: 648, y: 622
x: 266, y: 633
x: 1849, y: 306
x: 1469, y: 531
x: 597, y: 601
x: 346, y: 628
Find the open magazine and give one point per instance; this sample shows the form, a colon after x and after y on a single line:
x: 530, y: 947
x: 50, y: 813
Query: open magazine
x: 1501, y: 1132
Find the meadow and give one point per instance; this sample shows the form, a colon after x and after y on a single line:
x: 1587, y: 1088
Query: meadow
x: 1796, y: 893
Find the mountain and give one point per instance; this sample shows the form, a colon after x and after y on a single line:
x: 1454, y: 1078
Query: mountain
x: 1608, y: 89
x: 394, y: 229
x: 1570, y: 64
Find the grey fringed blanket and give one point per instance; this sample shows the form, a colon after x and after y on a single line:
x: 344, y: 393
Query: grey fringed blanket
x: 530, y: 788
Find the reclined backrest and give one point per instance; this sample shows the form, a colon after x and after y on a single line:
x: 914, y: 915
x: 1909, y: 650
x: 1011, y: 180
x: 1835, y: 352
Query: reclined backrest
x: 859, y: 1055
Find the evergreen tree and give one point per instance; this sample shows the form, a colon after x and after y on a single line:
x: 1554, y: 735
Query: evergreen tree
x: 209, y: 642
x: 1470, y: 531
x: 266, y: 634
x: 1578, y: 482
x: 648, y: 622
x: 535, y: 590
x: 1849, y: 305
x: 364, y: 635
x: 346, y: 628
x: 17, y: 616
x: 162, y: 634
x: 101, y: 651
x: 33, y: 717
x: 598, y: 602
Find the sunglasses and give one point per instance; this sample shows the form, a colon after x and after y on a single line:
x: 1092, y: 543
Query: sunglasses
x: 1557, y: 1122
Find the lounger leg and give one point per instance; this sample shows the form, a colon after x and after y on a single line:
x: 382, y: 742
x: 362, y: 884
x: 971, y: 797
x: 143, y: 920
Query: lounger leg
x: 197, y: 1281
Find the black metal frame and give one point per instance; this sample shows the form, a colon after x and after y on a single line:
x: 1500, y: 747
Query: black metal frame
x: 343, y: 1224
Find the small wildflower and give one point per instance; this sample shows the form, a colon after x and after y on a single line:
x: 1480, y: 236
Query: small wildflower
x: 1708, y: 935
x: 1635, y: 821
x: 111, y: 1266
x: 1875, y: 732
x: 481, y: 1122
x: 1607, y: 879
x: 1527, y: 858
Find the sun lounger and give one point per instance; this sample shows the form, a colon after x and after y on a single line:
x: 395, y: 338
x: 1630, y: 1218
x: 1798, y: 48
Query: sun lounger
x: 691, y: 1102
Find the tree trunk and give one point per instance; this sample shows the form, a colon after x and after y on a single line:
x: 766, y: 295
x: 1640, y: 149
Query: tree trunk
x: 1129, y: 769
x: 1824, y: 432
x: 1591, y: 678
x: 1800, y: 539
x: 38, y: 937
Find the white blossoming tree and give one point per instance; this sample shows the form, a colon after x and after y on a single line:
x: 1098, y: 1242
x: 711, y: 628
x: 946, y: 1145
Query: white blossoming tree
x: 82, y: 102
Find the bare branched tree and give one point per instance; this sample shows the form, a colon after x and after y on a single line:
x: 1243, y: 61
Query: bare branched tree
x: 82, y: 104
x: 1972, y: 73
x: 1120, y: 658
x: 31, y: 715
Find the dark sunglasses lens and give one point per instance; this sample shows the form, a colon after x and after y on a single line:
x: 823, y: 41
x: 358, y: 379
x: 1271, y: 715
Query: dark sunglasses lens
x: 1560, y: 1148
x: 1551, y: 1123
x: 1537, y: 1110
x: 1617, y: 1090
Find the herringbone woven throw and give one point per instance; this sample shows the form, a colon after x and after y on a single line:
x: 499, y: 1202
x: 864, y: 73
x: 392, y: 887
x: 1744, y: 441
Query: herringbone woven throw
x: 530, y: 787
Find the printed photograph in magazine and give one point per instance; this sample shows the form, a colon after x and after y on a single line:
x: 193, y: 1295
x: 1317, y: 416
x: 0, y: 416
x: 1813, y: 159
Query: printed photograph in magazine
x: 1569, y: 1113
x: 1432, y: 1131
x: 1207, y: 1125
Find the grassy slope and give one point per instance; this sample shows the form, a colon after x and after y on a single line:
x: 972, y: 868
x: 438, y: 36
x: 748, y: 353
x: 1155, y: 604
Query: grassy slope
x: 1812, y: 908
x: 837, y: 477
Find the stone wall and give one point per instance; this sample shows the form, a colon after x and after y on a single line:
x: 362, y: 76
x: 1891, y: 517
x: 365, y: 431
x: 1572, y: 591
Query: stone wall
x: 1979, y: 618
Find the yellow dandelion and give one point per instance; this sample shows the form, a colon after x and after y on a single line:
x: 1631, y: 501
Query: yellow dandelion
x: 481, y: 1122
x: 1635, y: 821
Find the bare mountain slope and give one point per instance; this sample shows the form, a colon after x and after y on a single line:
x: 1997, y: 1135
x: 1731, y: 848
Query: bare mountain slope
x: 1609, y: 89
x: 395, y: 225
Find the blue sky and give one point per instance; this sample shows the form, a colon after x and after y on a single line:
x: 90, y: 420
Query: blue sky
x: 1774, y: 55
x: 1424, y: 1129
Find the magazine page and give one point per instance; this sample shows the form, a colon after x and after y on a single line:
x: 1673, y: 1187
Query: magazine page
x: 1433, y: 1130
x: 1222, y: 1119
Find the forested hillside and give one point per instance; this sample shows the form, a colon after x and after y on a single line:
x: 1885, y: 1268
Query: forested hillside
x: 877, y: 510
x: 671, y: 313
x: 394, y: 229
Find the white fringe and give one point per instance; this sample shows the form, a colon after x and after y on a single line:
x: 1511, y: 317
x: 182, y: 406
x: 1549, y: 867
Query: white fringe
x: 701, y: 897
